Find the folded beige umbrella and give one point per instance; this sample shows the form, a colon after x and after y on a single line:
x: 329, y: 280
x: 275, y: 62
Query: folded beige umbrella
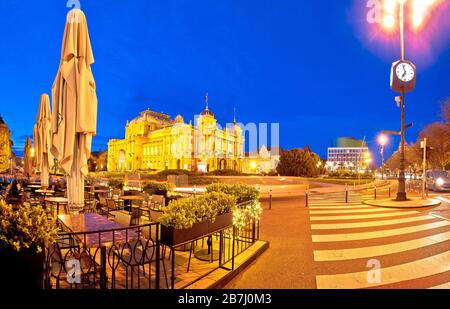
x: 28, y: 158
x: 74, y: 107
x: 42, y: 139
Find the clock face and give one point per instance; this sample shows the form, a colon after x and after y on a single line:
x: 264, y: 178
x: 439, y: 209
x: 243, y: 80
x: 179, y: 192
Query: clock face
x: 405, y: 72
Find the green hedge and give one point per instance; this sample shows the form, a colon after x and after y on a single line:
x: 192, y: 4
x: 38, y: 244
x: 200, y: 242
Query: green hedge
x: 116, y: 183
x: 225, y: 173
x: 242, y: 193
x: 184, y: 213
x: 159, y: 188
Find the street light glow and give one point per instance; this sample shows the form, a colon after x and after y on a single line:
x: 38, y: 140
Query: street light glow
x: 420, y: 12
x: 390, y: 6
x: 382, y: 139
x: 389, y: 10
x: 388, y: 21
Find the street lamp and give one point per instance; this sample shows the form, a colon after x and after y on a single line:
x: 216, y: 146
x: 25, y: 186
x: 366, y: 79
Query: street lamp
x: 382, y: 140
x: 403, y: 72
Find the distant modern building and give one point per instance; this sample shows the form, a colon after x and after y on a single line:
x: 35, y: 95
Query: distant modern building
x: 6, y: 158
x: 154, y: 142
x: 348, y: 153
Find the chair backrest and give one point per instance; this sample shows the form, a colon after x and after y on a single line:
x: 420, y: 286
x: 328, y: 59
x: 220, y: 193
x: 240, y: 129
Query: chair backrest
x: 90, y: 207
x: 111, y: 204
x: 146, y: 196
x: 117, y: 192
x: 122, y: 218
x: 102, y: 201
x: 155, y: 214
x: 157, y: 201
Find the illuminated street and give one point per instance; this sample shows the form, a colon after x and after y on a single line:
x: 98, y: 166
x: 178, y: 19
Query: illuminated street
x: 329, y: 244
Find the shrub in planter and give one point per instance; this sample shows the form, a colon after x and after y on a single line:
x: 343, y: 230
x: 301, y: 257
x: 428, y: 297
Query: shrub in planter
x: 116, y: 183
x: 242, y: 193
x: 165, y: 173
x: 227, y: 172
x: 190, y: 218
x: 159, y: 188
x: 23, y: 233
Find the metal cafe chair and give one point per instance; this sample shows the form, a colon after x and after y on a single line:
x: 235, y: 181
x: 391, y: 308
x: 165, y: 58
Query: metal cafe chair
x: 123, y: 218
x: 111, y: 208
x: 140, y: 252
x: 90, y: 207
x: 57, y: 261
x: 157, y: 201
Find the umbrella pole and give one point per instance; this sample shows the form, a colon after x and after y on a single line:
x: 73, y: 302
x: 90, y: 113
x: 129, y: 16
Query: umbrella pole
x: 44, y: 171
x: 75, y: 181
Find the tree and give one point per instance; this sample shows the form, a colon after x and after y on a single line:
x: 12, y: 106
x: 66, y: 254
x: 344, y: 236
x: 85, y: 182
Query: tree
x: 438, y: 137
x: 413, y: 158
x: 298, y: 162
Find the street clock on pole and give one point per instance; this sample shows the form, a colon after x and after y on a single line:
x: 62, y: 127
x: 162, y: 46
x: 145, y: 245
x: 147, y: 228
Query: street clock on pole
x: 403, y: 76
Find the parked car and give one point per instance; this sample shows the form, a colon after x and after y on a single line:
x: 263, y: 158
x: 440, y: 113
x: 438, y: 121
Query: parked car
x: 438, y: 180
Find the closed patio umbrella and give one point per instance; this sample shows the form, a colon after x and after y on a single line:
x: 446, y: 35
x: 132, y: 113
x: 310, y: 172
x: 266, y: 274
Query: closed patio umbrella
x: 28, y: 158
x: 42, y: 139
x: 74, y: 107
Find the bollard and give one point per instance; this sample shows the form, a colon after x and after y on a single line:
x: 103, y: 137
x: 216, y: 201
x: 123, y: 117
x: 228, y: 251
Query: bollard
x: 195, y: 189
x: 389, y: 190
x: 346, y: 193
x: 270, y: 199
x: 375, y: 192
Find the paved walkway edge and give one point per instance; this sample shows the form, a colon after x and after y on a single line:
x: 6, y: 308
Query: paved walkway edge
x: 221, y: 282
x: 412, y: 203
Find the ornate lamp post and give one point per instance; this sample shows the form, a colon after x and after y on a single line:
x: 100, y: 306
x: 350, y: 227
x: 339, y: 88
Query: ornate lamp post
x: 403, y: 72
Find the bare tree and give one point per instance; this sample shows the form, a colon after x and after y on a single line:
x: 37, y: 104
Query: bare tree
x: 438, y: 138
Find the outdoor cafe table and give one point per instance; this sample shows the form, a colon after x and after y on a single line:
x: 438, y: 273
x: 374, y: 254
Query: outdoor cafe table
x: 57, y: 201
x: 102, y: 192
x: 90, y: 223
x: 130, y: 198
x: 34, y: 186
x: 102, y: 233
x: 45, y: 193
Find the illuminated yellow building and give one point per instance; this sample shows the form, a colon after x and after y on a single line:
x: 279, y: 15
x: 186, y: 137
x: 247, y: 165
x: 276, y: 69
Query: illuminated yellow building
x: 5, y: 146
x: 154, y: 141
x: 264, y: 161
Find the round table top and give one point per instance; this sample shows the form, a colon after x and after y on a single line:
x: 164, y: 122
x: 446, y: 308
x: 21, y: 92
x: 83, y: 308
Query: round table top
x: 45, y: 191
x: 57, y: 199
x: 34, y: 186
x: 131, y: 197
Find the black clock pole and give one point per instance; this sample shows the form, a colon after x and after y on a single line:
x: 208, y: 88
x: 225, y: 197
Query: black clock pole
x: 401, y: 193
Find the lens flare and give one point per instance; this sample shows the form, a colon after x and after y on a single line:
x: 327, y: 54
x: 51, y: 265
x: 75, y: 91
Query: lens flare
x: 421, y: 12
x: 389, y: 11
x: 377, y: 25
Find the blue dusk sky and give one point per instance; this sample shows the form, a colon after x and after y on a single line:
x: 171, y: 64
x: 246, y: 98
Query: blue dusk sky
x: 317, y: 68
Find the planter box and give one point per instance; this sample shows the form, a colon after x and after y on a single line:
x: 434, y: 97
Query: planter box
x: 172, y: 237
x: 221, y: 222
x: 22, y: 270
